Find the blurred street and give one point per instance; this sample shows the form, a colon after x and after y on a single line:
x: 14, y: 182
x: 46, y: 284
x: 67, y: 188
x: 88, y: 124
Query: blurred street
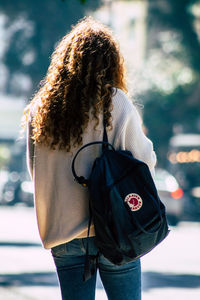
x: 160, y: 45
x: 172, y: 270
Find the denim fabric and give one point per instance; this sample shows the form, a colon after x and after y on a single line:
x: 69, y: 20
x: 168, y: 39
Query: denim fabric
x: 120, y: 282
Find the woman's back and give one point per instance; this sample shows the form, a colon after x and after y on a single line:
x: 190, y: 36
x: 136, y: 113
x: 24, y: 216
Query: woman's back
x: 57, y: 196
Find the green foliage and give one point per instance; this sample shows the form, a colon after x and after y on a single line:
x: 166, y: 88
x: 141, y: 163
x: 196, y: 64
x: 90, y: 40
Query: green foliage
x: 32, y: 29
x: 173, y: 43
x: 164, y: 114
x: 82, y: 1
x: 177, y: 17
x: 173, y: 57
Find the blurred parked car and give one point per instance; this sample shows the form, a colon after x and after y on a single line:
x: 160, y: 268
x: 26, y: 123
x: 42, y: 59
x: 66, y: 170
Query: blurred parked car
x: 16, y: 190
x: 184, y: 163
x: 4, y: 175
x: 170, y: 194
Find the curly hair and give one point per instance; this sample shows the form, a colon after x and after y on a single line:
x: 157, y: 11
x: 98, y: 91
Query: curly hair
x: 84, y: 68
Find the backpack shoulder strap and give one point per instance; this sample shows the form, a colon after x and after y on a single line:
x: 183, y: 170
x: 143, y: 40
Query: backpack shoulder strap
x: 105, y: 145
x: 80, y: 179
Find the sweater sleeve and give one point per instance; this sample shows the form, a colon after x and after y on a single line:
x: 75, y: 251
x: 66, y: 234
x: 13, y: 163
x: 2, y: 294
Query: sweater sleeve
x: 132, y: 138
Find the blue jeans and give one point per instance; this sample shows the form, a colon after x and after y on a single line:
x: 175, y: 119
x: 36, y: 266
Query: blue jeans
x: 120, y: 282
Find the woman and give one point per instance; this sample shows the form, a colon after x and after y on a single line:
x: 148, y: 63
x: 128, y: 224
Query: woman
x: 85, y: 81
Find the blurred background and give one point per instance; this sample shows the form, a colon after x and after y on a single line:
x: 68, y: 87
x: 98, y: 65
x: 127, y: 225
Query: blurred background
x: 160, y: 41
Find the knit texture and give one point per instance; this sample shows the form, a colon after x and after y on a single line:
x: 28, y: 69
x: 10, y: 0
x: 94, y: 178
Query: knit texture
x: 61, y: 203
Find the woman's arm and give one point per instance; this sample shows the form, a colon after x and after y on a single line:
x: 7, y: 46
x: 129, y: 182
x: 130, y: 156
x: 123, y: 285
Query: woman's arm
x: 133, y: 138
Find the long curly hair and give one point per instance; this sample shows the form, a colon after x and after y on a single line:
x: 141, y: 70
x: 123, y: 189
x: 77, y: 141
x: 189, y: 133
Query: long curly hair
x: 84, y: 68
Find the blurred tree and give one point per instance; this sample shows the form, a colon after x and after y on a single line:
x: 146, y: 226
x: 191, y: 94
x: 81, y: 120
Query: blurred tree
x: 172, y: 70
x: 32, y: 29
x: 81, y: 1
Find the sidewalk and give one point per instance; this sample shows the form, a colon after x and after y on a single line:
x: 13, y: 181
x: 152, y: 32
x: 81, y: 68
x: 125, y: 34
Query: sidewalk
x: 27, y: 272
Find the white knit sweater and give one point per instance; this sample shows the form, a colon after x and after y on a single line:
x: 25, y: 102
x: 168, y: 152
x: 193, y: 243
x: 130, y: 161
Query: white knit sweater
x: 62, y: 204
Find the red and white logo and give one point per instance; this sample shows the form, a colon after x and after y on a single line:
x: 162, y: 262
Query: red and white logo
x: 134, y: 201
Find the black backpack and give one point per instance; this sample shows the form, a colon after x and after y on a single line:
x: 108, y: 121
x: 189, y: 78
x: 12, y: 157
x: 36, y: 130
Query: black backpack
x: 128, y: 216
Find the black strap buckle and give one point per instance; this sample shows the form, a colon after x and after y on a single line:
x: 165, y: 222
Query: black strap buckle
x: 81, y: 180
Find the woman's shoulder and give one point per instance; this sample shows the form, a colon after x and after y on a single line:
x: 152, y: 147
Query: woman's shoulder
x: 122, y: 103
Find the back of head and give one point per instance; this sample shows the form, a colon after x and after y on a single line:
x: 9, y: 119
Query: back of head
x: 84, y: 68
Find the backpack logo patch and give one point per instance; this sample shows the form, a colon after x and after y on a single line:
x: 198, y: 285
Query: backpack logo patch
x: 134, y: 201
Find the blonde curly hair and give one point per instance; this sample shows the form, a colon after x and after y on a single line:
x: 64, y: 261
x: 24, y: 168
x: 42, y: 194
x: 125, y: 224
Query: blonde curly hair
x: 84, y: 68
